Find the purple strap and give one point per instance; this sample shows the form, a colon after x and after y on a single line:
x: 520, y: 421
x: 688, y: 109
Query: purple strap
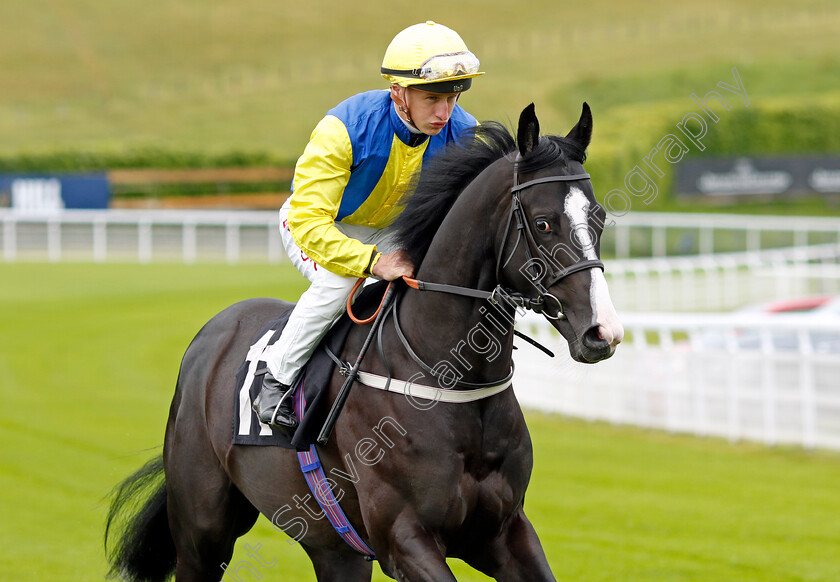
x: 310, y: 465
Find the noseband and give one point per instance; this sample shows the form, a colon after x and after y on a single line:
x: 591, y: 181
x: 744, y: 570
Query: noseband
x: 536, y: 255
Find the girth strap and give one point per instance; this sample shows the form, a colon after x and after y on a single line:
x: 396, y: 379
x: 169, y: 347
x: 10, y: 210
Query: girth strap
x: 319, y: 485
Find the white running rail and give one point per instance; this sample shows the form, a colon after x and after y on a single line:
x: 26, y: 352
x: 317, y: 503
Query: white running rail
x: 661, y: 234
x: 723, y: 281
x: 771, y: 379
x: 213, y: 235
x: 141, y: 235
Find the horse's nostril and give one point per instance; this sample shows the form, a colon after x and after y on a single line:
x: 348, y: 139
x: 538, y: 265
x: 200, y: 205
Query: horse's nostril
x: 593, y: 339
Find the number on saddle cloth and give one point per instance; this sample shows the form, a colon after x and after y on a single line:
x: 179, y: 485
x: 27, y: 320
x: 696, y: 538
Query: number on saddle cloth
x: 314, y: 380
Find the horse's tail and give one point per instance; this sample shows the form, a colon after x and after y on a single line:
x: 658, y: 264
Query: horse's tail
x: 138, y: 542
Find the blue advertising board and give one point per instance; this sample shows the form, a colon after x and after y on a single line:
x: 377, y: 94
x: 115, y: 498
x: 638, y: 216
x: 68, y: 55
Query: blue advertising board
x: 44, y: 192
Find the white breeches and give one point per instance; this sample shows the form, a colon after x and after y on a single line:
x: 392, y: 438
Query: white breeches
x: 320, y: 305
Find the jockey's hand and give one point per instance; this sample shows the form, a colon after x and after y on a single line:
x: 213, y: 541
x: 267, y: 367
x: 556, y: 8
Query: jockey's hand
x: 393, y: 266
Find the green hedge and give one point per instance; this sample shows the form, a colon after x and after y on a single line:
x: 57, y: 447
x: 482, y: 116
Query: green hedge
x: 769, y: 126
x: 780, y: 126
x: 146, y: 157
x: 153, y: 158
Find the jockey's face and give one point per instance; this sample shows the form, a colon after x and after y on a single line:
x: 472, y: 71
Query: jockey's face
x: 430, y: 112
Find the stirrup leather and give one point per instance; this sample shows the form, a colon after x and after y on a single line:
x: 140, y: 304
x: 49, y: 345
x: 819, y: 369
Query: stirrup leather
x: 289, y: 393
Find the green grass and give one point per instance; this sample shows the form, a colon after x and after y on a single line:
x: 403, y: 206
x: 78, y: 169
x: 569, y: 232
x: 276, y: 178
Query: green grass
x: 248, y: 80
x: 254, y: 75
x: 88, y: 360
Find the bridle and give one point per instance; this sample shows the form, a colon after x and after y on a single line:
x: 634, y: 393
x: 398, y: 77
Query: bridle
x: 542, y: 279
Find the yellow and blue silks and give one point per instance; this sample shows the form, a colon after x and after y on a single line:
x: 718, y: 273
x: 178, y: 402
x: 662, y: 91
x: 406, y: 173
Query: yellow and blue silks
x: 356, y: 169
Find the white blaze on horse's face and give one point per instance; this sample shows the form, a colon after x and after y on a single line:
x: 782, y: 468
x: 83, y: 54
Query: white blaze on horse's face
x: 576, y: 209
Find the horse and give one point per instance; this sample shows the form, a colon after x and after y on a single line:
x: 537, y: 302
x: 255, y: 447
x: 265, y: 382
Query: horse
x: 512, y: 219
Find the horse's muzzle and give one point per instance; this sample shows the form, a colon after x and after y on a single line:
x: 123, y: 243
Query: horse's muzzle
x: 597, y: 344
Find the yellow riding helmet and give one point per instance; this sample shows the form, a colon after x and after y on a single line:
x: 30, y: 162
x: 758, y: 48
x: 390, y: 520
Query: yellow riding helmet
x: 430, y: 57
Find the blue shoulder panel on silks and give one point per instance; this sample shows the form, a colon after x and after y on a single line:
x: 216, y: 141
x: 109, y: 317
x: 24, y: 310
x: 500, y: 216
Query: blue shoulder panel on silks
x: 368, y: 122
x: 371, y: 123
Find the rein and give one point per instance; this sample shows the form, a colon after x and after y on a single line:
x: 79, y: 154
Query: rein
x: 372, y: 318
x: 390, y: 309
x: 542, y: 280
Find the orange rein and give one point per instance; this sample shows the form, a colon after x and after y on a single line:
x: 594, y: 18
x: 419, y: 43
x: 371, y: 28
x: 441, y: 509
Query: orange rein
x: 413, y: 283
x: 408, y: 281
x: 350, y: 305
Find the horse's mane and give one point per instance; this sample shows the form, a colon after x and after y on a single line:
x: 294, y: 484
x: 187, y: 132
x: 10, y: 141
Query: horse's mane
x: 449, y: 173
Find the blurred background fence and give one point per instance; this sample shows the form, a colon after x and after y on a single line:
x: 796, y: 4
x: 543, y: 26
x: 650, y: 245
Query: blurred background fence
x: 739, y: 260
x: 101, y: 235
x: 144, y: 236
x: 683, y: 262
x: 748, y: 376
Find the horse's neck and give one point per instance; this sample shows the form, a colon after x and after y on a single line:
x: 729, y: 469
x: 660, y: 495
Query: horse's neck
x: 472, y: 334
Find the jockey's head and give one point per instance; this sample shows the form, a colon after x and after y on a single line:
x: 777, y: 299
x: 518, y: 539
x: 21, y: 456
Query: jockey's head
x: 428, y: 66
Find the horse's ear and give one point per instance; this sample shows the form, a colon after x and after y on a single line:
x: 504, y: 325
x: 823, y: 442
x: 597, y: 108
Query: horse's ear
x: 582, y: 132
x: 528, y: 134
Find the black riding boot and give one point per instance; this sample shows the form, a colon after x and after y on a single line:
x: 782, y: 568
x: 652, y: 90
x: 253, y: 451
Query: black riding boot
x: 275, y: 404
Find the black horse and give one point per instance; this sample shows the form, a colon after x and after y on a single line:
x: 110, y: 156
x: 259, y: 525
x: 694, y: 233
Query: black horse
x: 442, y: 480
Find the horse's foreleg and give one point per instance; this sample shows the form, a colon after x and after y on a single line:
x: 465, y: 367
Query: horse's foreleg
x: 415, y: 556
x: 331, y: 566
x: 515, y: 555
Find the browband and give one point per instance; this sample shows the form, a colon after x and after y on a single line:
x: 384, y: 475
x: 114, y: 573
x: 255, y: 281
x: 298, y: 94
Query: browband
x: 534, y: 182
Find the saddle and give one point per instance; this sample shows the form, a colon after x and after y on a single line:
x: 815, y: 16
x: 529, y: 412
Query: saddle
x: 312, y: 382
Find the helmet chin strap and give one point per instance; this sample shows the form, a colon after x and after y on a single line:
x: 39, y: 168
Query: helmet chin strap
x: 402, y: 103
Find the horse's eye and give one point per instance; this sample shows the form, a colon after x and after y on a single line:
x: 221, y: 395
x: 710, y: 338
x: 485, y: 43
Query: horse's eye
x: 543, y: 225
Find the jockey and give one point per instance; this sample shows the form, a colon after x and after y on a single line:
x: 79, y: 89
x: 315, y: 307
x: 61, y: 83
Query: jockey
x: 349, y: 186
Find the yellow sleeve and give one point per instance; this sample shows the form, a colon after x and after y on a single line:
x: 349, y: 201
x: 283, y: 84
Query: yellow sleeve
x: 321, y: 175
